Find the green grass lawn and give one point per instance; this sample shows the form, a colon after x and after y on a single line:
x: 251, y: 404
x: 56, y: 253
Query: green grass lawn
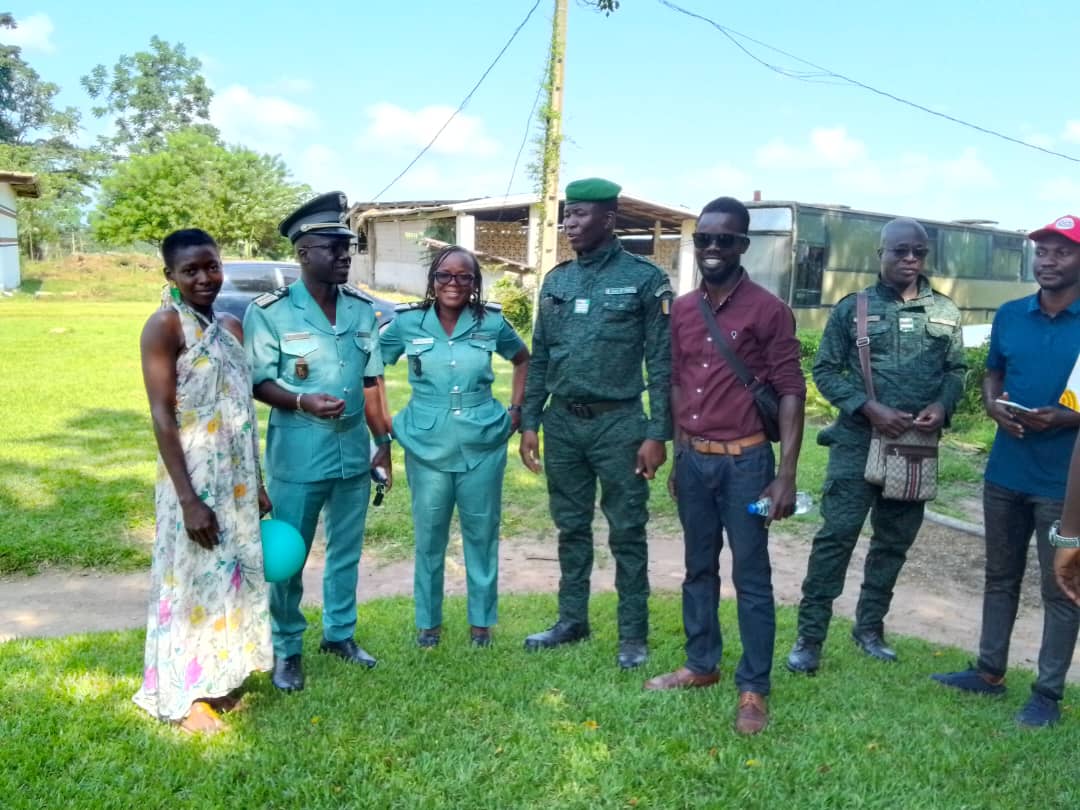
x: 500, y: 728
x: 78, y: 458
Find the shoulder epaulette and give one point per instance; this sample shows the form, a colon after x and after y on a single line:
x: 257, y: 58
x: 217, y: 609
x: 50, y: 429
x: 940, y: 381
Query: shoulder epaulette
x: 408, y: 306
x: 348, y: 289
x: 266, y: 299
x: 644, y: 260
x: 560, y: 265
x: 493, y: 306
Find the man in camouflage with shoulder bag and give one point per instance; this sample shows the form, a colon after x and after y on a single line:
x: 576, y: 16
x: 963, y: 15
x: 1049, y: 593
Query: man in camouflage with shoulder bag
x: 917, y: 370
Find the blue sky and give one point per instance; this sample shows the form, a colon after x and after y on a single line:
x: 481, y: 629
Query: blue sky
x: 658, y: 102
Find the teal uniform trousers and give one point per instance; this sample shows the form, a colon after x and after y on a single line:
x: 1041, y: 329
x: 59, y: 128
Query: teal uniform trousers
x: 316, y: 465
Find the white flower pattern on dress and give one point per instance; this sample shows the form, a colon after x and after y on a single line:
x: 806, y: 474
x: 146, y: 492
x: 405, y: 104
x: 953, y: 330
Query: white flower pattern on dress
x: 208, y: 621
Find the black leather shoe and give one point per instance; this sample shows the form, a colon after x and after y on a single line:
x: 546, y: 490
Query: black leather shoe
x: 873, y: 644
x: 559, y: 633
x: 426, y: 639
x: 632, y: 653
x: 480, y: 636
x: 348, y: 650
x: 805, y: 656
x: 288, y: 674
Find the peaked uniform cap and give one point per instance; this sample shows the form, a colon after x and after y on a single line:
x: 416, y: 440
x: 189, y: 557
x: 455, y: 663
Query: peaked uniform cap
x: 326, y: 215
x: 592, y: 189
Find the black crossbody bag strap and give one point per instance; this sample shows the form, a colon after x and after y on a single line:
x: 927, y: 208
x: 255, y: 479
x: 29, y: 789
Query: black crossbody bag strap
x: 722, y: 346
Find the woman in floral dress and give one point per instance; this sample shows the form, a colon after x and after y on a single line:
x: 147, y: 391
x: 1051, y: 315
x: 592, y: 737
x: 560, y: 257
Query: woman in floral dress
x: 208, y: 624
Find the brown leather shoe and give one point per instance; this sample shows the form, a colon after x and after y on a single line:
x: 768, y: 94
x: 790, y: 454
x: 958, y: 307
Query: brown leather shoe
x: 681, y: 678
x: 752, y: 716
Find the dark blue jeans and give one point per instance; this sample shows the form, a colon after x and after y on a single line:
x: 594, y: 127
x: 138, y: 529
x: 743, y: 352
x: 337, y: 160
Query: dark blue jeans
x: 713, y: 492
x: 1011, y: 518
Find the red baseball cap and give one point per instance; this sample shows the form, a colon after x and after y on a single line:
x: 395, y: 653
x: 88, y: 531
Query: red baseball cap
x: 1068, y: 226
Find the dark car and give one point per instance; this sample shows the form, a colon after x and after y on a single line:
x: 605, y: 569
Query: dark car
x: 245, y: 281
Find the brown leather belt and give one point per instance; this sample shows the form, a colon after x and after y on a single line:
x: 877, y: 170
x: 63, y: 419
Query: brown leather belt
x: 733, y: 447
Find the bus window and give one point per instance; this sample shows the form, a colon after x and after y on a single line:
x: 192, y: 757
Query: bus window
x: 853, y: 242
x: 1007, y: 258
x: 809, y: 269
x: 963, y: 253
x: 770, y: 219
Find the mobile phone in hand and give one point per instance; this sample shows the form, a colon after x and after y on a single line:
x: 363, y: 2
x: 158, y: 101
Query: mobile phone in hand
x: 1014, y: 406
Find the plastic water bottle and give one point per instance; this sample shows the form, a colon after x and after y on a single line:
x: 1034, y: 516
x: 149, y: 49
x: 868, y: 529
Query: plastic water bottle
x: 803, y: 502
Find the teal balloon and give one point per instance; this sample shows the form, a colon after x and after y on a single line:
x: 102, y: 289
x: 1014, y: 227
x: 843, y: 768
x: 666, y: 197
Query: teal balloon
x: 283, y: 550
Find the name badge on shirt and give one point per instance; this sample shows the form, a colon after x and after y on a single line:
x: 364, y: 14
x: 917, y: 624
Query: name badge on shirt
x: 620, y: 290
x: 907, y: 324
x: 423, y: 341
x: 297, y: 335
x: 581, y: 306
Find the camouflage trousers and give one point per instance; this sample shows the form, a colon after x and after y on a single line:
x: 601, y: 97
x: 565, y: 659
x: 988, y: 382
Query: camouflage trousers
x: 845, y: 503
x: 578, y: 452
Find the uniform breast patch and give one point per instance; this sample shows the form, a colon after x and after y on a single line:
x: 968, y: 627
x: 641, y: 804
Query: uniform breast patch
x: 620, y: 290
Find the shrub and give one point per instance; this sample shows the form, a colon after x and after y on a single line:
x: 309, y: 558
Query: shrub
x: 971, y: 402
x: 516, y: 303
x: 809, y: 341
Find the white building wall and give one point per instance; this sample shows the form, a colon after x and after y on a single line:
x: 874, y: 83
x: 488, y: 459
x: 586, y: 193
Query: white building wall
x: 400, y: 260
x: 9, y: 240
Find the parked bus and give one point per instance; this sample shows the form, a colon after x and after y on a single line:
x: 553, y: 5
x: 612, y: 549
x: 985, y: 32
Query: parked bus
x: 813, y: 255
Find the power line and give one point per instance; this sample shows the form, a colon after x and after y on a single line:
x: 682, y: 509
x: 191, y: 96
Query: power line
x: 464, y: 101
x: 524, y: 140
x: 823, y: 75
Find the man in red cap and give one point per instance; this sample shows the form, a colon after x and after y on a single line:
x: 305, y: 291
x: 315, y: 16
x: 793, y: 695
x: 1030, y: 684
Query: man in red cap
x: 1034, y: 345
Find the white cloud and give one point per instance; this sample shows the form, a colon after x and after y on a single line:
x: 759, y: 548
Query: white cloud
x: 1072, y: 131
x: 1039, y: 139
x: 1062, y: 190
x: 827, y: 147
x: 264, y: 123
x: 295, y: 85
x: 33, y: 33
x: 393, y: 128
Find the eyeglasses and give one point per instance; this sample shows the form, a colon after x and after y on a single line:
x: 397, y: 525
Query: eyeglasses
x: 461, y: 279
x: 724, y: 241
x: 336, y: 248
x: 919, y: 252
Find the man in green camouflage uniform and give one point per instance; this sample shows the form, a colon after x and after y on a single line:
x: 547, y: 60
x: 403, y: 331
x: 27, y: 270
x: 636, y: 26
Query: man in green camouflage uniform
x: 600, y: 315
x: 917, y: 362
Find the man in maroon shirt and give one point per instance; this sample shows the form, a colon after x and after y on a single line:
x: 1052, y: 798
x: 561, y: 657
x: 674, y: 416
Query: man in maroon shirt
x: 723, y: 459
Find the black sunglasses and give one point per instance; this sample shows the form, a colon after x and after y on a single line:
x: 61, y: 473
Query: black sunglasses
x: 723, y: 241
x: 461, y: 279
x: 918, y: 252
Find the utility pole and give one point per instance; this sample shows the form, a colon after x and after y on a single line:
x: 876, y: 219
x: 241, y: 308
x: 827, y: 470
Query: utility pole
x: 549, y: 163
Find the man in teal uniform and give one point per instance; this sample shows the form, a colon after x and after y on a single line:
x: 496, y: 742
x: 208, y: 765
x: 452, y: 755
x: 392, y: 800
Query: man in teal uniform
x: 313, y: 349
x: 601, y: 315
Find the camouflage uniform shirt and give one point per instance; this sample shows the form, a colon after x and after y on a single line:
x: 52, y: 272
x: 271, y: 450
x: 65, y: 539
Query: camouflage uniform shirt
x: 601, y: 314
x: 916, y: 358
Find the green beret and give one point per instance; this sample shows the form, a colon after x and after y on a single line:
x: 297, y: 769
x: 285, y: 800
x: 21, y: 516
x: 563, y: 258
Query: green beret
x: 326, y: 215
x: 592, y: 189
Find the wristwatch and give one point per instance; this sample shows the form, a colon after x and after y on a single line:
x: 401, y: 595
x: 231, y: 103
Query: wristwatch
x: 1057, y: 541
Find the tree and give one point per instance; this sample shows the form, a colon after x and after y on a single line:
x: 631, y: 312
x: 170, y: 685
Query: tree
x: 37, y: 137
x: 149, y: 95
x: 233, y: 193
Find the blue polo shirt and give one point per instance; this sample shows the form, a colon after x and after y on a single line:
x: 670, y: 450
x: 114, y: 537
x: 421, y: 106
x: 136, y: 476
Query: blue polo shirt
x: 1037, y: 353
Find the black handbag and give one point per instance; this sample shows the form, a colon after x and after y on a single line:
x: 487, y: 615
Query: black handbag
x: 765, y: 396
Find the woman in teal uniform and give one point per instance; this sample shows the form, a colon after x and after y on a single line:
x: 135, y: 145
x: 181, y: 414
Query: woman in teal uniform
x: 454, y: 433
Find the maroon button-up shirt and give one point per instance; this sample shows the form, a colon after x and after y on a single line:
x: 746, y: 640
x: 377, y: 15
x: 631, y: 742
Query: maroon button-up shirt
x: 760, y: 327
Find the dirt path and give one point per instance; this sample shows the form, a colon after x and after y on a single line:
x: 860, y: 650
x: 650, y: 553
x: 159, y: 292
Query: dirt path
x: 938, y: 597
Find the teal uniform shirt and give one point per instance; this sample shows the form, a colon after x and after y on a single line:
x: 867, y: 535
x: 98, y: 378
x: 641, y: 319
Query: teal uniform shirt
x: 451, y: 422
x: 290, y: 341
